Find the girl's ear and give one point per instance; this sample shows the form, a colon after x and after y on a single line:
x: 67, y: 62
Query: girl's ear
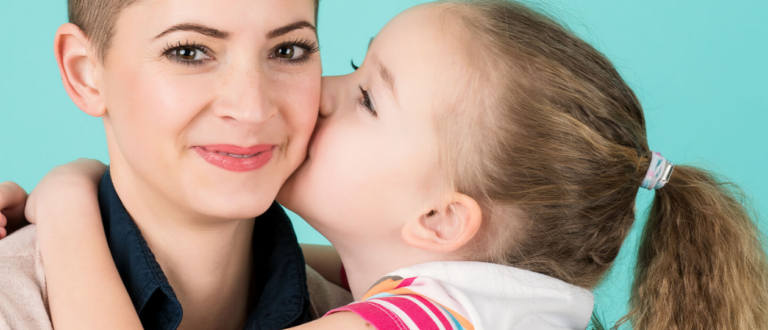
x: 447, y: 227
x: 79, y: 68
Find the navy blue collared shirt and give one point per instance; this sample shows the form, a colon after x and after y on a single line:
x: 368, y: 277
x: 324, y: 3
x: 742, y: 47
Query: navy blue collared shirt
x: 279, y: 273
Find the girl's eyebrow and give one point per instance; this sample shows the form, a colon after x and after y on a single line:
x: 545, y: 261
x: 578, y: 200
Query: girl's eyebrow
x: 386, y: 75
x: 202, y: 29
x: 388, y: 78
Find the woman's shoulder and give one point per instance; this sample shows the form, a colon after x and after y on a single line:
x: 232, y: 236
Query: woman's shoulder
x: 22, y: 243
x: 23, y: 296
x: 325, y: 295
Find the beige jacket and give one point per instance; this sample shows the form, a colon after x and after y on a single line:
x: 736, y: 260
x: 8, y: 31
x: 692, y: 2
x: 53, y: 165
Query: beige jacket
x: 24, y: 300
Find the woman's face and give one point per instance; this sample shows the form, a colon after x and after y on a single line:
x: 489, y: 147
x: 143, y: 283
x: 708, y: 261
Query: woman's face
x: 373, y: 158
x: 211, y: 103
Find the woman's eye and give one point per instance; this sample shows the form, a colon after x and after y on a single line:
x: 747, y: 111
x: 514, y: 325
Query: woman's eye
x: 294, y: 52
x: 290, y: 52
x: 188, y: 54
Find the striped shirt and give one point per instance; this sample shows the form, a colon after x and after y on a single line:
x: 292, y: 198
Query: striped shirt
x: 410, y: 304
x: 459, y: 295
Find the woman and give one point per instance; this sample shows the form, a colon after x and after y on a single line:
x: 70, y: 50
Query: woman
x: 200, y: 140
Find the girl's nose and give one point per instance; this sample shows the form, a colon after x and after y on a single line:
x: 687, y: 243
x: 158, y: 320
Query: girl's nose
x: 329, y: 95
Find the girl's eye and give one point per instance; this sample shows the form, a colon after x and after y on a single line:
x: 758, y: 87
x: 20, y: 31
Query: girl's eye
x: 366, y: 102
x: 354, y: 66
x: 290, y: 52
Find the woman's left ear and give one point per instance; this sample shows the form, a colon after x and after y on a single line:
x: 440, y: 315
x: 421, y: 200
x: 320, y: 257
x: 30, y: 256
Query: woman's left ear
x: 446, y: 227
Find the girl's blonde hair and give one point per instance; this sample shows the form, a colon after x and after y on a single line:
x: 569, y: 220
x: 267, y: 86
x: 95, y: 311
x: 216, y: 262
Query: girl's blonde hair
x: 558, y: 144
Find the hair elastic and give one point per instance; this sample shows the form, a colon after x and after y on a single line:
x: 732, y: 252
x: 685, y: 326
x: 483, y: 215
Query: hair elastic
x: 658, y: 173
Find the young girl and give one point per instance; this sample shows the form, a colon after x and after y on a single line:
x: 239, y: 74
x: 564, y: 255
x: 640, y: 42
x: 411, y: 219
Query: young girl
x: 479, y: 171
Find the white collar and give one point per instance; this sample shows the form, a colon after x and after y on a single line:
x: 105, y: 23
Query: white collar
x: 501, y: 297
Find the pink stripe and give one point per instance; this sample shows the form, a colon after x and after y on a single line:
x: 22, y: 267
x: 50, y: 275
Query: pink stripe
x: 377, y: 316
x: 406, y: 282
x: 447, y: 324
x: 417, y: 314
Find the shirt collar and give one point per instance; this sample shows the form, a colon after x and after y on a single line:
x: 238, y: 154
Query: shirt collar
x: 279, y: 271
x: 494, y: 296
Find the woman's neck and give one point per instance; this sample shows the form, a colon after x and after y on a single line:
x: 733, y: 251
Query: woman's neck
x: 208, y: 262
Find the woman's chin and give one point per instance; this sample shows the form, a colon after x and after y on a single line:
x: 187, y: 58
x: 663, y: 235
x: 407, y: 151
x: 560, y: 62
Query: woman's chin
x: 287, y: 194
x: 246, y: 207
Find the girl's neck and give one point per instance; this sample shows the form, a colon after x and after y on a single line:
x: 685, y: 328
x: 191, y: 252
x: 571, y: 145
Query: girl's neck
x: 366, y: 262
x: 208, y: 262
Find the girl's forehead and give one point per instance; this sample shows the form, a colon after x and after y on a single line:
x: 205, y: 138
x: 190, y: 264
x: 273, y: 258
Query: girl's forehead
x: 416, y: 52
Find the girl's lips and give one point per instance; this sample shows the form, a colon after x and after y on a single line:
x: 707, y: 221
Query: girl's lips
x: 236, y: 159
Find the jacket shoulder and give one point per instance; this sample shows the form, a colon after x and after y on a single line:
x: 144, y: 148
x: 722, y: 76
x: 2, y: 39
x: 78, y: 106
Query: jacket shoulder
x: 324, y: 295
x: 23, y: 297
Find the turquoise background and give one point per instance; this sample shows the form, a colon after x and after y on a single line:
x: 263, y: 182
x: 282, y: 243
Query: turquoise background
x: 700, y: 68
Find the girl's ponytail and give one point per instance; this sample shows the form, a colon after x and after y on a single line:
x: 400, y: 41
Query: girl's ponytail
x: 702, y: 261
x: 555, y: 148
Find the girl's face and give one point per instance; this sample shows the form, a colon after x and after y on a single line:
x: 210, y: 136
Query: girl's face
x: 211, y: 103
x: 373, y: 158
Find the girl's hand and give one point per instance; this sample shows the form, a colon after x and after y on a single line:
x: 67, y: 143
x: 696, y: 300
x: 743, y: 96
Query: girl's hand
x: 64, y: 185
x: 12, y: 201
x: 61, y: 185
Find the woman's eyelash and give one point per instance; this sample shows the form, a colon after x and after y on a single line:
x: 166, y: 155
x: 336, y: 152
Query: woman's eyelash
x: 353, y: 65
x: 310, y: 47
x: 169, y: 50
x: 366, y: 102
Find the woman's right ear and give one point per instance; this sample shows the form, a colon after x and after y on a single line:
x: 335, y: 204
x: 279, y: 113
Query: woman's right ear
x: 79, y: 66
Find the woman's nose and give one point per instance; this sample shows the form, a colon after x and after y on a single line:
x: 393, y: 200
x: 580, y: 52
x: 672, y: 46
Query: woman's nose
x: 329, y: 95
x: 245, y: 98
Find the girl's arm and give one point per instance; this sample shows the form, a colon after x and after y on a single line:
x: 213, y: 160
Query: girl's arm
x: 344, y: 320
x: 84, y: 288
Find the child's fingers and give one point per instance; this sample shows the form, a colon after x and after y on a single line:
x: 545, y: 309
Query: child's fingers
x: 12, y: 201
x: 2, y: 233
x: 11, y: 195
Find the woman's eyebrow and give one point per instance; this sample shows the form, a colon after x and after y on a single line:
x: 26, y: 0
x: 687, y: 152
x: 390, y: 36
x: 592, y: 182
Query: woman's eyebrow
x: 291, y: 27
x: 202, y: 29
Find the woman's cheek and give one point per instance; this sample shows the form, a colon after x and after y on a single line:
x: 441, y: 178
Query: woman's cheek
x: 299, y: 99
x: 171, y: 102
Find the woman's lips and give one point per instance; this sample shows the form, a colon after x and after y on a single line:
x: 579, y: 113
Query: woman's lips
x: 236, y: 159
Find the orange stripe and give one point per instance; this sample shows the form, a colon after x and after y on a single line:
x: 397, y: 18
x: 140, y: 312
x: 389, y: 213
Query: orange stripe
x: 385, y: 286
